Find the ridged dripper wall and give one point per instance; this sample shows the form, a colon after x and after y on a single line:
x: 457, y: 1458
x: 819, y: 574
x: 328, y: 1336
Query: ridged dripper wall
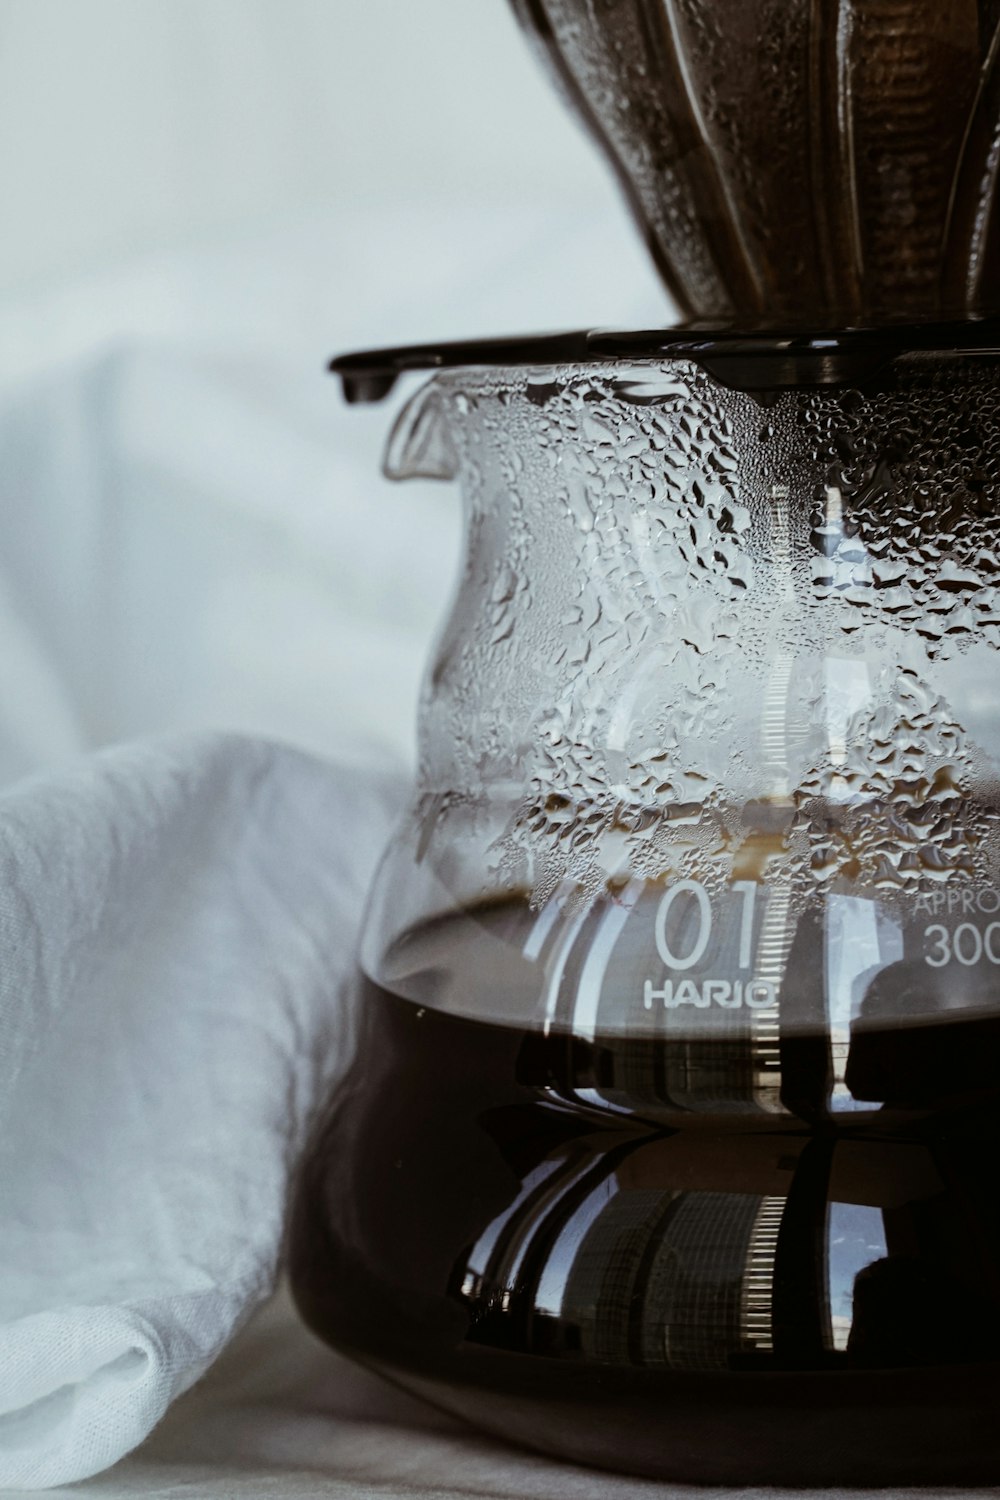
x: 698, y: 632
x: 797, y: 162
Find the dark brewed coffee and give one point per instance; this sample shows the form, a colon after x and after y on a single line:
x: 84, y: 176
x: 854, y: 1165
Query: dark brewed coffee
x: 618, y: 1249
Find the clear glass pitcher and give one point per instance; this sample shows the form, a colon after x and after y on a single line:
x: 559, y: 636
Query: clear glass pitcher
x: 670, y: 1139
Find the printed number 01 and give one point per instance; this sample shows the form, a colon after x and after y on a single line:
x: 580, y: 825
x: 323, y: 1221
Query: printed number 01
x: 746, y: 888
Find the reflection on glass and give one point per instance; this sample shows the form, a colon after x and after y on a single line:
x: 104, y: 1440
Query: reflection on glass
x: 856, y: 1239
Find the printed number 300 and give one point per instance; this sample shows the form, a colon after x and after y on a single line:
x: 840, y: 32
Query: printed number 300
x: 966, y: 944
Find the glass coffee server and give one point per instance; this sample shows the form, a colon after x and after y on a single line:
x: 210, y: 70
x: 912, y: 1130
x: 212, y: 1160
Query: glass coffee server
x: 669, y: 1140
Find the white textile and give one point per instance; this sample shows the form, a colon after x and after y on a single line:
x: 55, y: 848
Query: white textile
x: 177, y: 922
x: 280, y: 1417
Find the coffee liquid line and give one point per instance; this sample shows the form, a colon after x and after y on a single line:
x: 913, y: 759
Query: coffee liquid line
x: 519, y: 1219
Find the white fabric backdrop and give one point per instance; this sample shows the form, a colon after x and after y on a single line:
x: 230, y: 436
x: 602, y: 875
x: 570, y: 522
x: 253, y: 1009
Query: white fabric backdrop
x: 133, y: 125
x: 177, y: 921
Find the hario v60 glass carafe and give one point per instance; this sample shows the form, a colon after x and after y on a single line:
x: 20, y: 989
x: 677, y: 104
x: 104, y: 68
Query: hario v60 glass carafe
x: 670, y: 1139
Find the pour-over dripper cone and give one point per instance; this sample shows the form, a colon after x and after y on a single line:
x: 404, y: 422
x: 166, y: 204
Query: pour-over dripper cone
x: 798, y: 162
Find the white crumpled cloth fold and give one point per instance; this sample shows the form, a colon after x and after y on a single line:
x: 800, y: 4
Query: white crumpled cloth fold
x: 177, y: 927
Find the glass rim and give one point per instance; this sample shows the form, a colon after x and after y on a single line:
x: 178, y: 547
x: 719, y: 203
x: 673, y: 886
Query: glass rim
x: 762, y: 358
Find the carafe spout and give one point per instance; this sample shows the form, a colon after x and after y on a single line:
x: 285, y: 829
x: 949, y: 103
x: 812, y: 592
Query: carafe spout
x: 420, y: 444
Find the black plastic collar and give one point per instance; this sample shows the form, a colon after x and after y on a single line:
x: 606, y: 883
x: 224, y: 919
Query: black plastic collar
x: 761, y: 359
